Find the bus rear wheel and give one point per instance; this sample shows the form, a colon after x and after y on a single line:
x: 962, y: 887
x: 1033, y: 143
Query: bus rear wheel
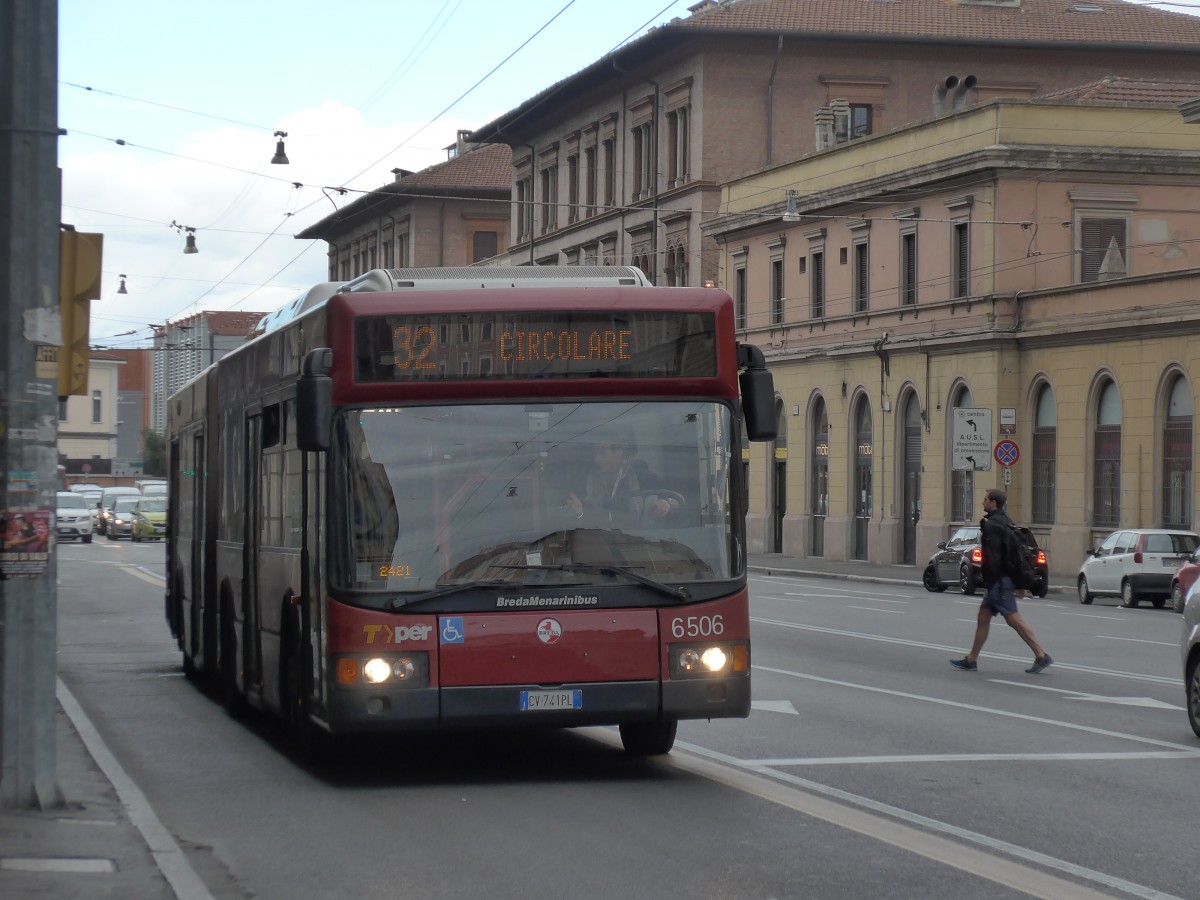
x: 648, y: 738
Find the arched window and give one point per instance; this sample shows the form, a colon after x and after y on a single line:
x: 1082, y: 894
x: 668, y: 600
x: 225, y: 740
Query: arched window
x: 1106, y: 463
x: 670, y: 268
x: 1177, y: 457
x: 1045, y: 455
x: 962, y: 481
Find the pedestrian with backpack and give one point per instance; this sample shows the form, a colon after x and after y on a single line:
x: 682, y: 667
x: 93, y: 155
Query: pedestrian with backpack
x: 1001, y: 570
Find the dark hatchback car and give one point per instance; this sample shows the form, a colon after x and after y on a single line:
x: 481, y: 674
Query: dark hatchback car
x: 959, y: 562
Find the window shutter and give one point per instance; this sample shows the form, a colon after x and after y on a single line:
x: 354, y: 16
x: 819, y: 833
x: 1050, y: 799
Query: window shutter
x: 962, y: 260
x: 1096, y: 236
x: 818, y: 285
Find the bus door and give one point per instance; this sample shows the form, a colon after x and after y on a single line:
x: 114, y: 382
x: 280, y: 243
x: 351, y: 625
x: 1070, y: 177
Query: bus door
x: 250, y: 554
x: 196, y: 549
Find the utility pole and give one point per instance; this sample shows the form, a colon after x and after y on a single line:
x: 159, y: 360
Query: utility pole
x: 29, y: 319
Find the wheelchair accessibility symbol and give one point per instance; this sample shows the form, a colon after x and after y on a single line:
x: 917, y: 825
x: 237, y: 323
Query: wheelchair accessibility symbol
x: 452, y: 630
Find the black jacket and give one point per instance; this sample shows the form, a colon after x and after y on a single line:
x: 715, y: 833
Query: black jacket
x: 996, y: 538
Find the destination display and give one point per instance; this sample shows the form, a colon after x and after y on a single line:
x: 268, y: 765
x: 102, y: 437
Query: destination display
x: 534, y: 344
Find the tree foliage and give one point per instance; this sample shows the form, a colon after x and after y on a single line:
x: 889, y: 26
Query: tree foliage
x: 154, y: 454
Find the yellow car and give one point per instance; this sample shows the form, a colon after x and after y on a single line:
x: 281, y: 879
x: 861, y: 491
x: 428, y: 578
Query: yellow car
x: 149, y: 519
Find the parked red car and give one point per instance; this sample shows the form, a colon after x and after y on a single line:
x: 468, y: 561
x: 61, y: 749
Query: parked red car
x: 1183, y: 579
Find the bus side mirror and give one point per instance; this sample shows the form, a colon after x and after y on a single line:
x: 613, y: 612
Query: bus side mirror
x: 758, y: 394
x: 314, y: 401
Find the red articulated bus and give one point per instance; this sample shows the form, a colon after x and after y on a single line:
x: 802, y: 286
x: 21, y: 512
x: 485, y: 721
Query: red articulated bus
x: 435, y: 498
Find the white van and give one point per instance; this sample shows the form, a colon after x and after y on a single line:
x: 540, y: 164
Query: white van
x: 73, y: 517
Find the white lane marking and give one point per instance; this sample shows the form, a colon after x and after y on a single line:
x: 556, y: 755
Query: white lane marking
x: 779, y: 706
x: 969, y: 757
x: 986, y: 863
x: 989, y: 710
x: 1094, y: 616
x: 151, y: 577
x: 1108, y: 637
x: 900, y: 828
x: 170, y: 858
x: 77, y: 864
x: 1147, y: 702
x: 894, y: 612
x: 824, y: 590
x: 925, y: 645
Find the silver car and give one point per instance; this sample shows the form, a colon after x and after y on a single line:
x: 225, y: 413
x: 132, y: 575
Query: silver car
x: 1135, y: 564
x: 1190, y: 647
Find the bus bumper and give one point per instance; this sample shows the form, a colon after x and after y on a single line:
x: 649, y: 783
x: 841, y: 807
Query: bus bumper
x: 608, y: 703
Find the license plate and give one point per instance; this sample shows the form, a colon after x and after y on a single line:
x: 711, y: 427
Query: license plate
x: 1173, y: 563
x: 534, y: 701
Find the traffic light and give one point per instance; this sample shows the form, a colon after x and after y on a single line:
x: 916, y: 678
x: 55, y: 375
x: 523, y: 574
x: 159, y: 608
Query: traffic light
x: 79, y: 284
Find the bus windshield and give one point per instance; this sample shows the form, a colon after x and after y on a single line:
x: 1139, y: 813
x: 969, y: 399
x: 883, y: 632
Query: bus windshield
x: 532, y: 494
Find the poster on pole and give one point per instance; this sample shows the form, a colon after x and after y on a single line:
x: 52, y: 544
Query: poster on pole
x: 24, y: 541
x: 971, y: 447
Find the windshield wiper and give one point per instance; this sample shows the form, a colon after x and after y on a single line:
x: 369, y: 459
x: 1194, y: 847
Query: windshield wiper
x: 680, y: 594
x: 444, y: 591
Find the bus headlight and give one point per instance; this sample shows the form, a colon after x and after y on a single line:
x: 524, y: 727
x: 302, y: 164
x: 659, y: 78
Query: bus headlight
x: 403, y: 669
x: 713, y: 659
x: 708, y: 660
x: 409, y: 670
x: 376, y: 671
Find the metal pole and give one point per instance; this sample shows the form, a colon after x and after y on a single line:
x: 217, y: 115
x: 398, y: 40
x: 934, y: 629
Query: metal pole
x: 29, y: 318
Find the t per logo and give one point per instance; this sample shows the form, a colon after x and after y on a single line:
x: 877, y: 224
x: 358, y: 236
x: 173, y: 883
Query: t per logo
x: 549, y: 631
x: 389, y: 635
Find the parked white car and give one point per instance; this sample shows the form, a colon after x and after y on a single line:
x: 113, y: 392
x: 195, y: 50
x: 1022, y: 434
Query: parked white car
x: 1136, y: 564
x: 73, y: 517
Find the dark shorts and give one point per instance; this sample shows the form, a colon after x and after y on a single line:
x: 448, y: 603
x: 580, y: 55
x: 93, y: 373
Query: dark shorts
x: 1000, y: 597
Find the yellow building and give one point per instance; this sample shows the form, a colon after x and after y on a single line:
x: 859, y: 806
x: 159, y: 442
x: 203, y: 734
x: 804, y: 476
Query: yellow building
x: 1017, y: 272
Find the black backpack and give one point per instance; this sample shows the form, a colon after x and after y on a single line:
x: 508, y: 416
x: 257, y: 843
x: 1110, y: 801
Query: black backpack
x: 1019, y: 567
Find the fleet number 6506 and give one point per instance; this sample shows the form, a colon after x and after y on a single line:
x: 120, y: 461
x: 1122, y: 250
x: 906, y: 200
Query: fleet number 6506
x: 698, y: 626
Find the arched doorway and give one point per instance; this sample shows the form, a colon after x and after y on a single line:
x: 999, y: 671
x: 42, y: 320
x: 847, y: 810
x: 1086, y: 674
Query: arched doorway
x: 818, y: 502
x: 779, y: 480
x: 1177, y: 456
x: 911, y: 467
x: 864, y: 450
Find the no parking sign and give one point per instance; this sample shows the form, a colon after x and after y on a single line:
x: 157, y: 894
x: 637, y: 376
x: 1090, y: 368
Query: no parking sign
x: 1007, y: 453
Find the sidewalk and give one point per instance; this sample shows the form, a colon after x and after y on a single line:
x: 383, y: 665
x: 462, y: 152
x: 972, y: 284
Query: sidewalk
x: 93, y: 849
x: 89, y: 849
x: 855, y: 570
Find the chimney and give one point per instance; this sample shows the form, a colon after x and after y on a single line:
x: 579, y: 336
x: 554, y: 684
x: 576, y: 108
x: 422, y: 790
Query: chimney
x: 841, y: 120
x: 401, y: 173
x: 960, y: 92
x: 824, y: 122
x: 939, y: 93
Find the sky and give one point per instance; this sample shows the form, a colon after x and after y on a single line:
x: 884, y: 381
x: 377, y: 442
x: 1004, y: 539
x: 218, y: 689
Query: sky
x: 196, y: 91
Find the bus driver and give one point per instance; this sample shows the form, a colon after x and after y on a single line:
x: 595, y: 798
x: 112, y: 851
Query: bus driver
x: 613, y: 489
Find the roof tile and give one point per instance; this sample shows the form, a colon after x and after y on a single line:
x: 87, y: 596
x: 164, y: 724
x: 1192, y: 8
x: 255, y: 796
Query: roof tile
x: 1056, y: 21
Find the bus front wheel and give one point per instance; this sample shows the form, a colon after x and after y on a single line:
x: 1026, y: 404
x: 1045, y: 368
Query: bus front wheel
x: 648, y: 738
